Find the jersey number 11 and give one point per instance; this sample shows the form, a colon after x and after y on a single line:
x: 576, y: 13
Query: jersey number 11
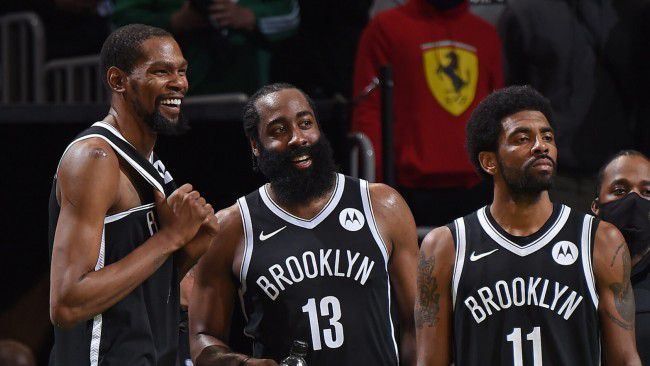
x: 517, y: 355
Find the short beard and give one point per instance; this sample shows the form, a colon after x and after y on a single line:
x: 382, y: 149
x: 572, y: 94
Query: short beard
x: 292, y: 185
x: 158, y: 123
x: 522, y: 183
x: 163, y: 126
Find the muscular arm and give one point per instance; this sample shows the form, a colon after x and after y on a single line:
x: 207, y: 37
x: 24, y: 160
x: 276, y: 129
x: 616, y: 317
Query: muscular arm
x: 433, y: 307
x: 616, y: 300
x: 396, y: 224
x: 213, y: 296
x: 88, y: 181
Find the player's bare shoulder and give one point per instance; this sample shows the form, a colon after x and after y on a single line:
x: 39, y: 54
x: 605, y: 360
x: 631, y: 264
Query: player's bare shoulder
x: 385, y: 198
x: 609, y: 244
x: 88, y: 166
x: 227, y: 245
x: 392, y: 214
x: 438, y: 243
x: 230, y: 221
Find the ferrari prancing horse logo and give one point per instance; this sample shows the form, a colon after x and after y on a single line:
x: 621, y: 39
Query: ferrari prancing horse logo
x: 451, y: 69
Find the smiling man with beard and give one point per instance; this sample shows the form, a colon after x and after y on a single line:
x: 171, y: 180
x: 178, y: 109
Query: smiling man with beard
x: 121, y: 235
x: 522, y: 281
x: 313, y: 255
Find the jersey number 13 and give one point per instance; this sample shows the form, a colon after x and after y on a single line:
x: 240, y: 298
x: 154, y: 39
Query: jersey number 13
x: 329, y: 307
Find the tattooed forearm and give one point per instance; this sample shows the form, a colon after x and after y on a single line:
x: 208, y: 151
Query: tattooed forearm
x: 616, y: 254
x: 623, y: 295
x: 621, y: 324
x: 428, y: 297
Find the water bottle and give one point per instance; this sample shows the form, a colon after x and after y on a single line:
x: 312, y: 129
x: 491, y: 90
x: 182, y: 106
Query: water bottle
x: 296, y: 355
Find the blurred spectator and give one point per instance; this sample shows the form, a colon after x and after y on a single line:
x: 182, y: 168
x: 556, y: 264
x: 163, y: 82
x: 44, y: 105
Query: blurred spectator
x: 225, y: 41
x: 590, y: 59
x: 623, y: 198
x: 320, y: 58
x: 445, y: 60
x: 13, y: 353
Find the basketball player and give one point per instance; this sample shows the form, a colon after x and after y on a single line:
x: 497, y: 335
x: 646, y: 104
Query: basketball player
x: 120, y: 240
x: 313, y: 255
x: 624, y: 200
x: 523, y: 281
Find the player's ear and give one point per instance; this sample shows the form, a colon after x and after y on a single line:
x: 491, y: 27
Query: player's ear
x: 488, y: 160
x: 254, y: 146
x: 595, y: 207
x: 116, y: 79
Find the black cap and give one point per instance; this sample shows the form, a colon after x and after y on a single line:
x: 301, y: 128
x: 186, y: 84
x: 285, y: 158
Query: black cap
x: 299, y: 348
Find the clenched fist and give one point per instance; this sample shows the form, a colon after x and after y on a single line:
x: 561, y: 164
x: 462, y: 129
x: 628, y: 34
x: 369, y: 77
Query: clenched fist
x: 183, y: 213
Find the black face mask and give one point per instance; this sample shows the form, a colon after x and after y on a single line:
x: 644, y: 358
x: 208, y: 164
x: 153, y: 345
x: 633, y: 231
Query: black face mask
x: 443, y: 5
x: 631, y: 215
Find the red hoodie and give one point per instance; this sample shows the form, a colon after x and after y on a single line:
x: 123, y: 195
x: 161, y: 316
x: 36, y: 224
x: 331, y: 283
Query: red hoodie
x: 444, y: 64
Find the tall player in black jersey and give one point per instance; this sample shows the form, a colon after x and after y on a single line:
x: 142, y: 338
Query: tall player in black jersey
x: 523, y: 281
x: 624, y: 200
x: 314, y: 255
x: 120, y: 240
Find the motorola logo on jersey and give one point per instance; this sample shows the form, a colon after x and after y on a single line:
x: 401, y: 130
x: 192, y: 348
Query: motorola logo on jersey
x: 565, y: 253
x: 351, y: 219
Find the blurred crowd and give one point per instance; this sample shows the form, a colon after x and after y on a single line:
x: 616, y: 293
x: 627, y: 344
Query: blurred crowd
x: 589, y: 57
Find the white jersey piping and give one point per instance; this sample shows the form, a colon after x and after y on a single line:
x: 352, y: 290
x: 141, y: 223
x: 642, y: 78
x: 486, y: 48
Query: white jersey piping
x: 532, y: 247
x: 298, y: 221
x: 586, y: 245
x: 459, y: 263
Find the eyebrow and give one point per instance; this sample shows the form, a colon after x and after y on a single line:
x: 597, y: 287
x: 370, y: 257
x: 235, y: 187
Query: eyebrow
x: 520, y: 129
x: 280, y: 119
x: 167, y: 64
x: 284, y: 119
x: 304, y: 113
x: 620, y: 181
x: 547, y: 129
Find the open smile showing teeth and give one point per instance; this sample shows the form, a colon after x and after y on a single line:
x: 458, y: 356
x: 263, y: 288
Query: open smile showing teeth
x: 172, y: 102
x: 301, y: 158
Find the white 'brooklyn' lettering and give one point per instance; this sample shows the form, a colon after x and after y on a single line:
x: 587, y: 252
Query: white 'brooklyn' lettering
x: 330, y: 263
x: 537, y: 292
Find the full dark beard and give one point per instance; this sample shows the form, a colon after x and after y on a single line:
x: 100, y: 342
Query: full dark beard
x: 523, y: 183
x: 292, y: 185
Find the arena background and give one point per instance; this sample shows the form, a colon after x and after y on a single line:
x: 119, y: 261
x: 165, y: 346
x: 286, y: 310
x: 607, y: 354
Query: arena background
x: 214, y: 156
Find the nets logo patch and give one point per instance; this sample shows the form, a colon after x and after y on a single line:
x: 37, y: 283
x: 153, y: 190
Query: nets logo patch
x: 351, y: 219
x: 565, y: 253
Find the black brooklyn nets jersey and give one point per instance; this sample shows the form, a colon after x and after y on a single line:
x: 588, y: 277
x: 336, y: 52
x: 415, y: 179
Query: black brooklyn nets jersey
x: 525, y: 301
x: 142, y: 328
x: 323, y: 280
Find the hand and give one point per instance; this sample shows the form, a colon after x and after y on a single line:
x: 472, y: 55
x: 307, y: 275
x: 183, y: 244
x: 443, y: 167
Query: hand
x: 230, y: 15
x: 210, y: 226
x: 186, y: 19
x: 182, y: 213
